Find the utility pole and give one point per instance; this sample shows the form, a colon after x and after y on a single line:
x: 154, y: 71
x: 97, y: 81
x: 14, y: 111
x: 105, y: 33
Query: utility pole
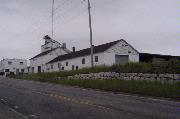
x: 52, y: 18
x: 90, y: 28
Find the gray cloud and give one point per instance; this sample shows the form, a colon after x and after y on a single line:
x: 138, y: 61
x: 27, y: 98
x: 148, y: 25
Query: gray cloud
x: 150, y: 26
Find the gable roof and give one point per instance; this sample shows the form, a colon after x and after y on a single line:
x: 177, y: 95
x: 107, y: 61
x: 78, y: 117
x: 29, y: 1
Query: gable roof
x: 43, y: 53
x: 84, y: 52
x: 130, y: 46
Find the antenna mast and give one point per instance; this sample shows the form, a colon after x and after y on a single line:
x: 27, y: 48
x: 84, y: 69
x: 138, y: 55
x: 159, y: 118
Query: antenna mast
x: 52, y: 18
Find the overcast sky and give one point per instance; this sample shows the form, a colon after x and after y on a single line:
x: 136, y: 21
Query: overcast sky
x: 151, y: 26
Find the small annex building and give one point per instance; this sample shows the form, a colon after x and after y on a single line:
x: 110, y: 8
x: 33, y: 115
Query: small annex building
x: 116, y: 52
x: 12, y: 66
x: 50, y: 50
x: 156, y: 58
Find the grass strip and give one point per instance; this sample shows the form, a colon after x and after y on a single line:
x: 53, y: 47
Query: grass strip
x: 146, y: 88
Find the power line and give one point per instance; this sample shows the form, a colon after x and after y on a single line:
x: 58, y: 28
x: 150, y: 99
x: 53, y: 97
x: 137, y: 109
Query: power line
x: 46, y: 19
x: 67, y: 11
x: 108, y: 2
x: 62, y: 4
x: 71, y: 10
x: 71, y: 18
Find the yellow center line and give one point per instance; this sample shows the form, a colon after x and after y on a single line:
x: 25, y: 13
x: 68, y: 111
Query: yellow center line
x: 69, y: 99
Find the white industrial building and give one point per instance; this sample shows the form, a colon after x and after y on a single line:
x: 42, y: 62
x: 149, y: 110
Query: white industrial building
x: 117, y: 52
x: 14, y: 66
x: 50, y: 50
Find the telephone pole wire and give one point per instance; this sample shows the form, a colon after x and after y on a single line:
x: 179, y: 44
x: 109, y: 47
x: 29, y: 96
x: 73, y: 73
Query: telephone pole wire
x: 90, y: 28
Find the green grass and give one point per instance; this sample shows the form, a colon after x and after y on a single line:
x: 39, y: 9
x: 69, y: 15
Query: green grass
x: 145, y: 88
x: 149, y: 88
x: 171, y: 67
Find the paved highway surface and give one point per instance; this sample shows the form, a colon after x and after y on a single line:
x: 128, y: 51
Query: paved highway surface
x: 20, y: 99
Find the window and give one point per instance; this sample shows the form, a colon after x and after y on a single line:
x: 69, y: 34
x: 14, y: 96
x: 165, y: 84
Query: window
x: 51, y: 66
x: 72, y: 67
x: 21, y: 63
x: 66, y: 63
x: 39, y: 69
x: 46, y: 47
x: 6, y: 70
x: 96, y: 59
x: 83, y: 61
x: 10, y: 63
x: 22, y: 70
x: 62, y: 68
x: 77, y: 67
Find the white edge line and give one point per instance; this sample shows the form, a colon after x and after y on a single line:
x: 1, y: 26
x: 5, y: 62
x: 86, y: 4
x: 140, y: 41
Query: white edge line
x: 25, y: 117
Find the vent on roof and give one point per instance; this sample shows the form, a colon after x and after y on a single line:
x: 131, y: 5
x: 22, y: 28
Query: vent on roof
x: 64, y: 45
x: 74, y: 49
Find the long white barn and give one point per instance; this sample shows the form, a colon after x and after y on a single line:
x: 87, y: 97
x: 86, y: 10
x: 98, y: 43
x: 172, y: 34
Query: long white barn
x: 117, y: 52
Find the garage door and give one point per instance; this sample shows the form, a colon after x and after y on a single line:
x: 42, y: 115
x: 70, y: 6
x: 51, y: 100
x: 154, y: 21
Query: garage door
x: 121, y: 59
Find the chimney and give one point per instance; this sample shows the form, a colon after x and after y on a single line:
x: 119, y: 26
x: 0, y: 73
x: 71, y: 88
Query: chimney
x: 74, y: 49
x: 64, y: 45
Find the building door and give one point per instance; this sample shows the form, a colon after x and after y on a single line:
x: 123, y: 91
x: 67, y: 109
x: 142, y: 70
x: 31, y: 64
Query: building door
x: 72, y: 67
x: 32, y: 69
x: 39, y: 69
x: 17, y: 71
x: 121, y: 59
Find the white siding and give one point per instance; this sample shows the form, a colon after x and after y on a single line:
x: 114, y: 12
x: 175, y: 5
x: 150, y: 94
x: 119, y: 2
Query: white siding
x: 109, y: 58
x: 14, y: 66
x: 121, y: 48
x: 42, y: 60
x: 77, y: 62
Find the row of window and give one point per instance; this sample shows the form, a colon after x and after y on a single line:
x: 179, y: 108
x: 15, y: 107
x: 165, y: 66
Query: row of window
x: 83, y: 61
x: 96, y: 60
x: 17, y: 70
x: 62, y: 68
x: 10, y: 63
x: 74, y: 67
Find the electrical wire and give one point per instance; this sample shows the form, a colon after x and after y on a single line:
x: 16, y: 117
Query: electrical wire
x: 65, y: 12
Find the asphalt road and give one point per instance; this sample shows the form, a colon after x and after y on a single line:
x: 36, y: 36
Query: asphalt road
x: 34, y: 100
